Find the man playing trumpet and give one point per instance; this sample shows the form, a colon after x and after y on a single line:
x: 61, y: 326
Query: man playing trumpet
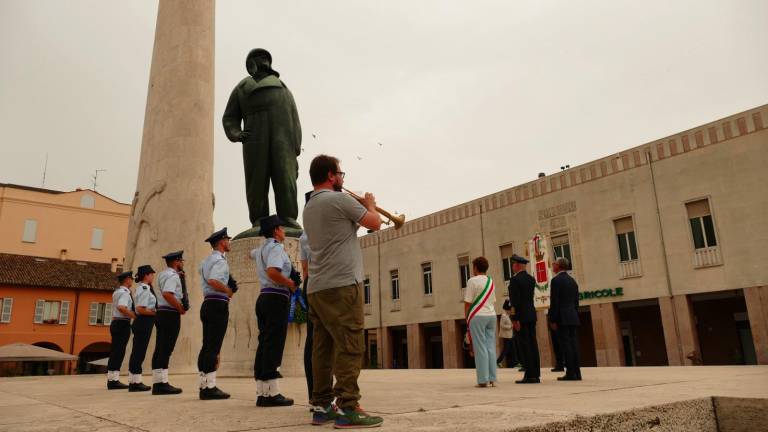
x: 331, y: 220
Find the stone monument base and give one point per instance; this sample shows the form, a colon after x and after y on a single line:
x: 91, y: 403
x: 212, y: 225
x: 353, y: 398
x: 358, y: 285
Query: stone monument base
x: 241, y: 340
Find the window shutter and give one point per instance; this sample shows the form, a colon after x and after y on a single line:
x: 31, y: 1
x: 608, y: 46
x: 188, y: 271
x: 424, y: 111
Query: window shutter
x: 64, y: 318
x: 506, y: 250
x: 39, y: 306
x: 92, y: 311
x: 698, y: 208
x: 108, y: 314
x: 97, y: 238
x: 7, y: 308
x: 624, y: 225
x: 30, y: 231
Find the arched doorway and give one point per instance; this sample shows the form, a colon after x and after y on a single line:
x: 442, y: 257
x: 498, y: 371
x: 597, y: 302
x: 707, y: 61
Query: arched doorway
x: 94, y: 351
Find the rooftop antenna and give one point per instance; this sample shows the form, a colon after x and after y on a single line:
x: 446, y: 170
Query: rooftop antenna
x: 45, y: 169
x: 96, y: 177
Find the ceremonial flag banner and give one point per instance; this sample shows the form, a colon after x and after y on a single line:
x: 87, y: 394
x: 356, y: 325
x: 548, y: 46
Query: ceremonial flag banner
x: 538, y: 255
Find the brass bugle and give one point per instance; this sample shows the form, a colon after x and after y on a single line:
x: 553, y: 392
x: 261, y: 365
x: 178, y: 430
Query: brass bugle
x: 397, y: 220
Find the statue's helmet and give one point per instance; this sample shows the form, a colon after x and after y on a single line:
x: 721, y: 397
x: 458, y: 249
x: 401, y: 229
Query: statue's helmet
x: 258, y: 52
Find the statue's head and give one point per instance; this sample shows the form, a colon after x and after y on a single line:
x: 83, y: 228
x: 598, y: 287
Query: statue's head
x: 259, y: 61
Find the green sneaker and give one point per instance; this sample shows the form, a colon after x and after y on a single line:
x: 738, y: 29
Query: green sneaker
x: 321, y: 416
x: 357, y: 418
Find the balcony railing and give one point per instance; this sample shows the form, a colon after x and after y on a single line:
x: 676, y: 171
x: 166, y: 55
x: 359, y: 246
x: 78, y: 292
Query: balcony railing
x: 367, y: 308
x: 395, y: 305
x: 707, y: 257
x: 428, y: 300
x: 630, y: 269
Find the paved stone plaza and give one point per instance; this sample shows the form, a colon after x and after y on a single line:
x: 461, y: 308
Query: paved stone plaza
x: 423, y: 400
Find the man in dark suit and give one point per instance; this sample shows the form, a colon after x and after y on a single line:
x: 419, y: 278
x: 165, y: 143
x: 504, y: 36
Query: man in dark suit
x: 564, y: 316
x: 521, y: 288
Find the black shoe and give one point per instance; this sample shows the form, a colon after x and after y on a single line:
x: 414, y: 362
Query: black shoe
x: 528, y: 381
x: 569, y: 378
x: 164, y: 389
x: 116, y: 385
x: 138, y: 387
x: 213, y: 393
x: 273, y: 401
x: 558, y: 369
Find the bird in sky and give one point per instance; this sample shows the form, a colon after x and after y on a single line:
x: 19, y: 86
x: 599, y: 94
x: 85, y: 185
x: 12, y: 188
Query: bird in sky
x: 381, y: 145
x: 359, y: 158
x: 314, y: 136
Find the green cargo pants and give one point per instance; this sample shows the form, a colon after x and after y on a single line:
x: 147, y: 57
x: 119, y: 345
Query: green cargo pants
x: 337, y: 345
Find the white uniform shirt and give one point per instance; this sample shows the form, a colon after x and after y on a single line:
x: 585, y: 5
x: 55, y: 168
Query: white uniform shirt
x: 121, y: 297
x: 214, y: 266
x: 144, y: 297
x: 168, y: 281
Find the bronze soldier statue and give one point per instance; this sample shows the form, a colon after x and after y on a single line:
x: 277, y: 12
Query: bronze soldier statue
x: 271, y: 137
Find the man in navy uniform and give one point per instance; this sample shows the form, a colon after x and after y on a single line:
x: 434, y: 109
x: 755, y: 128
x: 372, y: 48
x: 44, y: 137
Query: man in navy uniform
x: 167, y: 321
x: 120, y: 329
x: 214, y: 313
x: 564, y: 316
x: 521, y: 292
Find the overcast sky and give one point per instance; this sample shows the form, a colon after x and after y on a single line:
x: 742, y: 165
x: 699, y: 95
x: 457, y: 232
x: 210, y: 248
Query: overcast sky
x: 467, y: 98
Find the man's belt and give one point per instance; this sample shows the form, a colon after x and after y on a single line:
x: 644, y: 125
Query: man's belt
x: 272, y: 290
x: 217, y: 297
x: 121, y: 318
x: 167, y: 309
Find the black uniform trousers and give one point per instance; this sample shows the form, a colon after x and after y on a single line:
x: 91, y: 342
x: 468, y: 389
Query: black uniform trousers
x: 272, y: 319
x: 530, y: 349
x: 168, y: 324
x: 557, y: 346
x: 120, y: 330
x: 142, y: 332
x: 215, y: 315
x: 569, y: 343
x: 308, y: 344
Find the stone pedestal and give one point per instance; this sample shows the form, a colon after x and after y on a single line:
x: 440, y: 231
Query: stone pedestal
x: 241, y: 340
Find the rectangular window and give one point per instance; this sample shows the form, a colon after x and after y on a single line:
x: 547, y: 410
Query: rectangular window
x: 625, y: 235
x: 367, y: 290
x: 562, y: 248
x: 702, y: 225
x: 100, y: 314
x: 30, y: 231
x: 464, y: 274
x: 395, y: 281
x: 506, y: 260
x: 51, y: 311
x: 6, y: 307
x: 426, y: 272
x: 97, y: 239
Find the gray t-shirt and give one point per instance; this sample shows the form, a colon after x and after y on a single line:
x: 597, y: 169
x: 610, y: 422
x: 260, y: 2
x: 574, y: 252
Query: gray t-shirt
x: 331, y: 222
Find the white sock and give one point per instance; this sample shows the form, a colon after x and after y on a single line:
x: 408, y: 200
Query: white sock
x: 203, y: 380
x: 113, y: 375
x: 260, y: 388
x: 271, y: 388
x: 157, y: 376
x: 165, y: 376
x: 211, y: 378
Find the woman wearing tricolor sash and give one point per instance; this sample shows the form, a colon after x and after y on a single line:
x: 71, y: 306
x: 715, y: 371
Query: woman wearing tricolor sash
x: 479, y: 300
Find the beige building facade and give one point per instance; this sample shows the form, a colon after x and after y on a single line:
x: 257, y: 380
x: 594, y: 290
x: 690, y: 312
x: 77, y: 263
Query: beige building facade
x: 79, y: 225
x: 665, y: 240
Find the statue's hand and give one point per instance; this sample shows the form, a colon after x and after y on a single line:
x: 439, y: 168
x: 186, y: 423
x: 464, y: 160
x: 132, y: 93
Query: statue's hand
x: 244, y: 136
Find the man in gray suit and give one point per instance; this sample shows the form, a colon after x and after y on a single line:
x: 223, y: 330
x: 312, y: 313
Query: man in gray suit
x: 564, y: 316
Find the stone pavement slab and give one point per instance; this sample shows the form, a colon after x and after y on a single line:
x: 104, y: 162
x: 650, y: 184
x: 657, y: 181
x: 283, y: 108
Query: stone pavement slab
x: 418, y: 400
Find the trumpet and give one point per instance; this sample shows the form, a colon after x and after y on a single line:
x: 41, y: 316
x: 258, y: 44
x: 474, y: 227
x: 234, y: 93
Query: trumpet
x: 397, y: 220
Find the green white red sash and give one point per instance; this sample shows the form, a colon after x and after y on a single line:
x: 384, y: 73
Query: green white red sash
x: 481, y: 299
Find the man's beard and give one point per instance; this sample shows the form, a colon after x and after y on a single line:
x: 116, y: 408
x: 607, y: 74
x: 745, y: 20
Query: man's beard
x: 337, y: 187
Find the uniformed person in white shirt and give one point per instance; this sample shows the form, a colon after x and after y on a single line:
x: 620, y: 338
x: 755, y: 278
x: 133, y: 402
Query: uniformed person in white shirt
x: 273, y: 267
x: 167, y: 321
x: 217, y: 289
x: 146, y: 305
x: 119, y: 329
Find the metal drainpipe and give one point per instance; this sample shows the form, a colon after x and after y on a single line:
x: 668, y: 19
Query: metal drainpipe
x: 381, y: 318
x: 74, y: 326
x: 649, y: 158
